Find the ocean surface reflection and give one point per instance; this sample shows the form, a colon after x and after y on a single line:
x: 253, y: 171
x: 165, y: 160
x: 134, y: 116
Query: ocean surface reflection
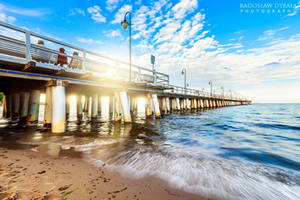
x: 244, y: 152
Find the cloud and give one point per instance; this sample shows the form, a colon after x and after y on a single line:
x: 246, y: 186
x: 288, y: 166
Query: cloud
x: 95, y: 12
x: 119, y: 16
x: 113, y: 33
x: 184, y: 7
x: 296, y: 10
x: 269, y: 34
x: 112, y: 4
x: 187, y: 42
x: 76, y: 11
x: 26, y: 12
x: 89, y: 41
x: 6, y: 18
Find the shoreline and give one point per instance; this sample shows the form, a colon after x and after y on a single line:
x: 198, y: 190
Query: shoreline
x: 27, y: 174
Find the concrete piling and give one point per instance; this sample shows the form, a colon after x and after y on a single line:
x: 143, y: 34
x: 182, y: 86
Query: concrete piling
x: 24, y: 105
x: 194, y: 104
x: 178, y: 105
x: 48, y: 108
x: 34, y: 104
x: 168, y: 104
x: 4, y: 111
x: 163, y: 105
x: 95, y: 101
x: 99, y: 105
x: 16, y: 105
x: 79, y: 107
x: 125, y: 106
x: 117, y: 107
x: 58, y: 107
x: 148, y: 106
x: 156, y: 106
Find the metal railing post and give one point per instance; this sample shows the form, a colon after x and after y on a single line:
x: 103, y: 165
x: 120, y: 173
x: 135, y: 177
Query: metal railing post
x: 84, y: 60
x: 28, y: 46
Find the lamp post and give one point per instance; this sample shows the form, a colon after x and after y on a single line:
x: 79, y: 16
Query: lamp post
x: 125, y: 24
x: 222, y: 88
x: 211, y: 88
x: 183, y: 72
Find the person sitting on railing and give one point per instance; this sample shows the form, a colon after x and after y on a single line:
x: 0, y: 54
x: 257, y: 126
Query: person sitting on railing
x: 41, y: 55
x: 76, y: 61
x: 61, y: 58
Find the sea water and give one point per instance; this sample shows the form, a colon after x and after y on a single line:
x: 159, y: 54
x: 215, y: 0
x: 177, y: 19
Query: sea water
x: 241, y: 152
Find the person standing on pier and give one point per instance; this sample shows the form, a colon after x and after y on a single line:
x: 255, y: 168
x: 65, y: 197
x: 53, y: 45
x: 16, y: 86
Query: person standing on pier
x: 61, y: 58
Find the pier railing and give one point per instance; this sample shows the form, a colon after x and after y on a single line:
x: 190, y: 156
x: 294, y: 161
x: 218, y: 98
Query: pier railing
x: 16, y: 42
x: 19, y: 42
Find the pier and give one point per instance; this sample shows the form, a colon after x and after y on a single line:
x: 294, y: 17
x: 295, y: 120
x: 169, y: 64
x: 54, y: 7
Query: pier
x: 28, y: 69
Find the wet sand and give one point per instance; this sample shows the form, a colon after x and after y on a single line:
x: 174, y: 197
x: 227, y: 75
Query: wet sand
x: 27, y: 174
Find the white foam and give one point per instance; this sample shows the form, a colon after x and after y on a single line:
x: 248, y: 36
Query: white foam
x: 212, y: 177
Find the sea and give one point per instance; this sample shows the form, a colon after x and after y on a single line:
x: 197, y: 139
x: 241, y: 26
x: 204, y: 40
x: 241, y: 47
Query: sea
x: 240, y: 152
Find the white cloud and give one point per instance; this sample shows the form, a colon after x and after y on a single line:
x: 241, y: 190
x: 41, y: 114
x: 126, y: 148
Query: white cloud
x: 76, y: 11
x: 26, y: 12
x: 119, y: 16
x: 89, y: 41
x: 7, y: 19
x: 269, y: 34
x: 112, y: 4
x: 113, y: 33
x: 184, y: 7
x: 296, y: 10
x: 95, y: 12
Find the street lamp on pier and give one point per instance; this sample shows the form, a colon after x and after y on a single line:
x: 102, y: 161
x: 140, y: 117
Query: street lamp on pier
x: 183, y: 72
x: 211, y: 87
x: 222, y: 88
x: 125, y: 24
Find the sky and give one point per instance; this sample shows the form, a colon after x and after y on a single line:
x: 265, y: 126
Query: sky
x: 251, y: 47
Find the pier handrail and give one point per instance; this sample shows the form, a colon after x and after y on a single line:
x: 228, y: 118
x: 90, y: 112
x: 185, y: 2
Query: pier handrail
x: 158, y: 77
x: 143, y: 74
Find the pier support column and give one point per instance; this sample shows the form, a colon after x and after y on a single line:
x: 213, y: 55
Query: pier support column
x: 163, y: 105
x: 168, y: 104
x: 48, y: 108
x: 89, y: 105
x: 195, y: 103
x: 125, y: 107
x: 117, y: 108
x: 34, y: 104
x: 8, y: 106
x: 181, y: 104
x: 174, y: 104
x: 58, y: 107
x: 95, y: 101
x: 24, y: 105
x: 79, y: 107
x: 178, y: 105
x: 67, y: 106
x: 16, y: 105
x: 188, y: 104
x: 148, y: 106
x: 111, y: 105
x: 199, y: 104
x: 156, y: 106
x: 99, y: 105
x: 4, y: 111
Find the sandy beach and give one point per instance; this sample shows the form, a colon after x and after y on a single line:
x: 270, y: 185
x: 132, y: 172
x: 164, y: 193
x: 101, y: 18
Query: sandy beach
x: 27, y: 174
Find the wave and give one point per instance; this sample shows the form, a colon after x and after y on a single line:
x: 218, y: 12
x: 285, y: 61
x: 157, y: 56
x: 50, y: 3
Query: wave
x: 212, y: 177
x: 277, y: 126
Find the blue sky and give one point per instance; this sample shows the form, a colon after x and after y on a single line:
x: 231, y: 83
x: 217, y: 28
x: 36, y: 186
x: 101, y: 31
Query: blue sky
x: 249, y: 46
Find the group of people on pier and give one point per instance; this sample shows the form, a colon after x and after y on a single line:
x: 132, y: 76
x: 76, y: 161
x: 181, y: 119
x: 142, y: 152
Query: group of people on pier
x: 60, y: 58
